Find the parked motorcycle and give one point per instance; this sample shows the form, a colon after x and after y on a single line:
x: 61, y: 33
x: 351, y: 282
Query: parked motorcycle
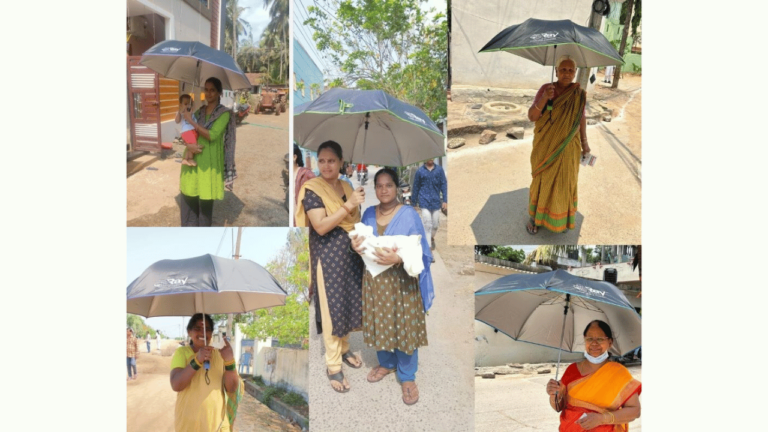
x: 242, y: 112
x: 404, y: 193
x: 362, y: 174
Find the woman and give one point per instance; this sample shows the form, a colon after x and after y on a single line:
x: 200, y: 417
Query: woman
x: 596, y: 394
x: 202, y: 184
x: 395, y: 303
x: 559, y: 141
x: 302, y: 175
x: 132, y: 354
x: 330, y: 208
x: 200, y: 398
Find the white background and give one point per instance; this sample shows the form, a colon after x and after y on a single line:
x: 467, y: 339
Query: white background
x: 64, y: 235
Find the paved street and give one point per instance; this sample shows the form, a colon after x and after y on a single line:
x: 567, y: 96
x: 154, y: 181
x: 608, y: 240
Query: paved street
x: 258, y: 198
x: 515, y: 403
x: 445, y: 368
x: 489, y: 185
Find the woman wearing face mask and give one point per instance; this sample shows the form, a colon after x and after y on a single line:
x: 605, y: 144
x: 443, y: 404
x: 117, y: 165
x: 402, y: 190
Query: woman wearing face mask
x: 559, y: 141
x: 596, y: 394
x: 206, y: 399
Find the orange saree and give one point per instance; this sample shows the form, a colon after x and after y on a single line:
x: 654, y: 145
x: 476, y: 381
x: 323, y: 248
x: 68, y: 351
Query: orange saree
x: 607, y: 389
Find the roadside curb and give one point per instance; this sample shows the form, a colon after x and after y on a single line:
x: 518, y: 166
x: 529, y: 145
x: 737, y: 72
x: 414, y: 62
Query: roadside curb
x: 275, y: 405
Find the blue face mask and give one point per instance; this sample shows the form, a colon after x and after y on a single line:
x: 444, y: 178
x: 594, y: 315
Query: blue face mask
x: 596, y: 360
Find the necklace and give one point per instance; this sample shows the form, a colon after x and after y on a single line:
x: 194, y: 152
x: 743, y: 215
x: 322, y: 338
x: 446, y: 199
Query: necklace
x: 387, y: 214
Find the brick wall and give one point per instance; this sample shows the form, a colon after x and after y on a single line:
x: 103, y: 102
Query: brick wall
x: 214, y: 4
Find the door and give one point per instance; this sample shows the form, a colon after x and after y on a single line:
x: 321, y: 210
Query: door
x: 144, y: 106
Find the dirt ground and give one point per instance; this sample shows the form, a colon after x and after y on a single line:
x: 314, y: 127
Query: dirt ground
x: 151, y: 401
x: 259, y: 195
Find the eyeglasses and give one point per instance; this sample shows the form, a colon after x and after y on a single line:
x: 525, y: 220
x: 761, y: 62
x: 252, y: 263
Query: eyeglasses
x: 599, y: 340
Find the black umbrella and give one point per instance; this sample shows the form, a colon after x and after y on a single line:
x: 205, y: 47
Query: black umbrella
x: 529, y: 308
x: 194, y: 62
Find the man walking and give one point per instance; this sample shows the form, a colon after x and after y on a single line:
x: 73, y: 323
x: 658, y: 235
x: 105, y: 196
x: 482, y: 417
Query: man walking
x: 132, y: 354
x: 430, y: 194
x: 148, y: 339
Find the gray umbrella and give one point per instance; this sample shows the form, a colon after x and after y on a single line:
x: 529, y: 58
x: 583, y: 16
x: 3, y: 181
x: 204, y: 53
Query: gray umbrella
x: 553, y: 308
x: 194, y: 62
x: 370, y: 125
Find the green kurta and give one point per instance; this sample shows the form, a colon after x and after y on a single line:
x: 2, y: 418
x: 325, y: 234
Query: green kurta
x: 206, y: 180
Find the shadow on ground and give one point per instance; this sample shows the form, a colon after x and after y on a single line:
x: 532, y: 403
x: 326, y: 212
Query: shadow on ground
x: 502, y: 221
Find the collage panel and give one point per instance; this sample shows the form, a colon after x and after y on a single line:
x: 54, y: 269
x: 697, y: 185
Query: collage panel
x: 558, y: 330
x: 207, y: 127
x: 544, y: 122
x: 218, y: 328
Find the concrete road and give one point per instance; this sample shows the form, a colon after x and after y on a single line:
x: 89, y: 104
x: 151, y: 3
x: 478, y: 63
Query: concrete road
x: 259, y: 195
x: 488, y: 187
x: 445, y: 376
x: 520, y: 404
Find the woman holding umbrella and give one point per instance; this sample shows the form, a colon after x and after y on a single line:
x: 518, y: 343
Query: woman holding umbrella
x: 330, y: 208
x: 559, y: 141
x: 200, y: 398
x: 596, y: 394
x: 202, y: 184
x: 395, y: 303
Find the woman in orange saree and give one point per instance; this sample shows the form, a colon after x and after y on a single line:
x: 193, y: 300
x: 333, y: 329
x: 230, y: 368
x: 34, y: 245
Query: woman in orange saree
x: 596, y: 394
x: 559, y: 141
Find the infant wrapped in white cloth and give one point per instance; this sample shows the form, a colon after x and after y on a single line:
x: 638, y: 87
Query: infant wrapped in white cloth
x: 408, y: 248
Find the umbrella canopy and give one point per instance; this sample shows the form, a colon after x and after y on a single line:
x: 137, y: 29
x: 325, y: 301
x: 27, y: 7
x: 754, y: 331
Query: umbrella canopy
x: 194, y: 62
x: 530, y: 308
x: 371, y: 126
x: 544, y: 41
x: 204, y: 284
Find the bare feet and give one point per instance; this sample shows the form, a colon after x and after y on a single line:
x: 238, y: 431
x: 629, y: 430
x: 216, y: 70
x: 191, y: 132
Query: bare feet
x: 188, y: 162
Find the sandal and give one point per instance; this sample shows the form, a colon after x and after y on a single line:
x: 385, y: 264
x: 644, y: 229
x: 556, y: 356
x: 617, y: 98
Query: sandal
x: 375, y: 374
x: 345, y: 358
x: 339, y: 378
x: 410, y: 392
x: 531, y: 227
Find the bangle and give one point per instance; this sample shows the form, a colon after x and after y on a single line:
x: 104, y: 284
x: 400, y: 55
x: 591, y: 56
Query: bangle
x: 230, y: 367
x: 194, y: 364
x: 231, y: 362
x: 612, y: 420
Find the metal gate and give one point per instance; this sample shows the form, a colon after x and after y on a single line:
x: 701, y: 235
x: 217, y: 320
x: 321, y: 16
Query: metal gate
x: 144, y: 106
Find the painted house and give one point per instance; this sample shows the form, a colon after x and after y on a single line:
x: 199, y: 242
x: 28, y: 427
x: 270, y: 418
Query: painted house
x: 153, y: 100
x: 305, y: 73
x: 613, y: 29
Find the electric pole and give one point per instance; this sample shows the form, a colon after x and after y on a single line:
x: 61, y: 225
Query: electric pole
x: 237, y: 256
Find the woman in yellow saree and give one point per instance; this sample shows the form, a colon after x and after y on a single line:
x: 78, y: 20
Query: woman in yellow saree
x: 596, y: 394
x: 559, y: 141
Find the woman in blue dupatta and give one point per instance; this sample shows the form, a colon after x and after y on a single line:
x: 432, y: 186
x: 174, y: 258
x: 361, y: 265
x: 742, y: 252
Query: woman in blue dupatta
x: 395, y: 303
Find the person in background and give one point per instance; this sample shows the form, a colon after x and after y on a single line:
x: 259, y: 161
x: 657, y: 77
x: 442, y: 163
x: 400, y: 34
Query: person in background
x: 158, y: 340
x: 343, y: 175
x: 302, y: 175
x: 132, y: 354
x: 430, y: 195
x: 148, y: 339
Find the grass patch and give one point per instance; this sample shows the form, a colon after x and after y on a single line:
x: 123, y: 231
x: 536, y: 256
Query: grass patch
x: 288, y: 397
x: 272, y: 392
x: 294, y: 399
x: 260, y: 382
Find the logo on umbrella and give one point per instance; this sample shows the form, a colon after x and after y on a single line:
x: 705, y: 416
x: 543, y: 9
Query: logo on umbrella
x: 171, y: 282
x: 543, y: 36
x: 171, y: 49
x: 414, y: 117
x: 588, y: 290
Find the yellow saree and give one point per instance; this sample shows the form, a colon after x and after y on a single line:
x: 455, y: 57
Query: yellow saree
x: 331, y: 200
x: 605, y: 390
x: 555, y: 161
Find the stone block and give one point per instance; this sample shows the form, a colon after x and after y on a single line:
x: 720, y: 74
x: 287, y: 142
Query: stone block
x: 516, y: 133
x: 487, y: 136
x: 489, y: 375
x: 456, y: 142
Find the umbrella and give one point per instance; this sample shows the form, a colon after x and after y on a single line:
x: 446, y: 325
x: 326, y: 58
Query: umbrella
x: 194, y: 62
x: 552, y: 309
x: 371, y: 127
x: 204, y: 284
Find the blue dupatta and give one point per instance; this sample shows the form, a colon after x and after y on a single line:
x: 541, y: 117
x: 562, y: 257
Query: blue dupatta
x: 408, y: 222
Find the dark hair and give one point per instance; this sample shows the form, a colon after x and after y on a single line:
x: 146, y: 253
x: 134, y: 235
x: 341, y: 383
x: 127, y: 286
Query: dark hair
x: 331, y: 145
x: 216, y: 83
x: 603, y: 326
x: 390, y: 172
x: 184, y: 96
x: 299, y: 157
x: 199, y: 317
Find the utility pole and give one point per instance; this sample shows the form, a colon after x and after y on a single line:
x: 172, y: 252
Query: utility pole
x: 624, y: 34
x: 237, y: 256
x: 234, y: 30
x: 595, y: 21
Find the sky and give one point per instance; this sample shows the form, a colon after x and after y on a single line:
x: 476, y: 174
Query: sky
x: 303, y: 33
x: 149, y: 245
x: 256, y: 15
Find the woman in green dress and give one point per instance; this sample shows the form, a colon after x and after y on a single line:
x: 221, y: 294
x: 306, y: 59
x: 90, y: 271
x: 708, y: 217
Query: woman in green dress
x: 202, y: 184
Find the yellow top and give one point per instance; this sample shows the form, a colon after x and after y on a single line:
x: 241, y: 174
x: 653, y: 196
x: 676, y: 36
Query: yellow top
x: 200, y: 407
x: 331, y: 200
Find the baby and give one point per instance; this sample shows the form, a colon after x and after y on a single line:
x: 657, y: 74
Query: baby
x: 188, y: 132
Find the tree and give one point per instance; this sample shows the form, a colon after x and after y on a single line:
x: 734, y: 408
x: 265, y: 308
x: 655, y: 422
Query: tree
x: 508, y: 253
x: 386, y: 45
x: 140, y: 328
x: 547, y: 255
x: 628, y: 15
x: 234, y: 12
x: 289, y: 324
x: 486, y: 250
x: 278, y: 27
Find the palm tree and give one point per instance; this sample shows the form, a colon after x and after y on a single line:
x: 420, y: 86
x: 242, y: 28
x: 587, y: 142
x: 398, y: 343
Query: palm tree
x: 548, y: 254
x: 278, y: 27
x: 234, y: 12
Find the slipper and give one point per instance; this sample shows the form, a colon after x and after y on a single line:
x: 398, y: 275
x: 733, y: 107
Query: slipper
x: 339, y: 378
x: 376, y: 374
x: 345, y: 358
x: 410, y: 393
x: 531, y: 227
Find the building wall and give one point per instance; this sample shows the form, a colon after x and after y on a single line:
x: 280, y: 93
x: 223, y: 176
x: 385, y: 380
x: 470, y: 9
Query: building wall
x: 613, y: 29
x: 304, y: 69
x: 284, y: 367
x: 475, y: 23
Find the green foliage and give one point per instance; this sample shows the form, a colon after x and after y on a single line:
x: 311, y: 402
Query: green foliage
x: 508, y: 253
x: 140, y: 328
x: 637, y: 16
x: 289, y: 323
x: 385, y: 45
x: 637, y: 68
x: 271, y: 392
x: 293, y: 399
x: 259, y: 381
x: 486, y: 250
